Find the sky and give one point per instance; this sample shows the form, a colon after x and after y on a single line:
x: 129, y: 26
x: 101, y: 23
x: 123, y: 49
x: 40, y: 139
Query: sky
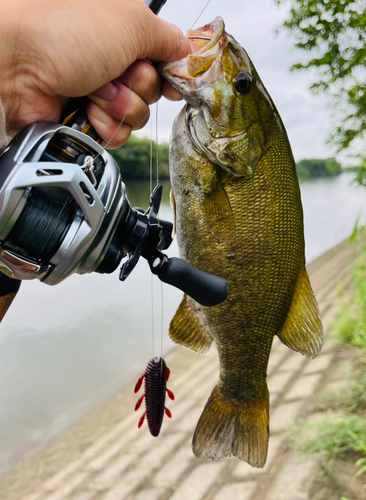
x: 306, y: 117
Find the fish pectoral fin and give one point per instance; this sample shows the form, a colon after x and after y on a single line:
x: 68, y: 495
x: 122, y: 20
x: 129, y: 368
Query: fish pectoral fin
x: 303, y: 329
x: 186, y: 328
x: 230, y: 427
x: 172, y: 203
x: 218, y: 212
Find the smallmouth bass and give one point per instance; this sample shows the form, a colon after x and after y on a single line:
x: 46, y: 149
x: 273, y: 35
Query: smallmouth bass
x: 238, y: 215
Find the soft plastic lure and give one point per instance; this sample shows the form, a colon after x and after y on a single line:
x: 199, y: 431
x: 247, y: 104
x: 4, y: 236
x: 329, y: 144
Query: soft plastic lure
x: 156, y: 376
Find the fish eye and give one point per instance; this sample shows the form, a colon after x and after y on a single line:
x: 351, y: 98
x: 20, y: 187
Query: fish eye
x: 243, y: 83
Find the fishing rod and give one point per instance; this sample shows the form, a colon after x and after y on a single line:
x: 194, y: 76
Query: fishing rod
x: 64, y: 210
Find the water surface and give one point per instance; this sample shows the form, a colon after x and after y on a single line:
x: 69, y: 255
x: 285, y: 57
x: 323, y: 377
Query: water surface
x: 64, y: 350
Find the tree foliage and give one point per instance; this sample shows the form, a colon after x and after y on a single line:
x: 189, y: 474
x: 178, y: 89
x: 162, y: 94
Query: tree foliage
x: 333, y: 34
x: 133, y: 158
x: 315, y: 168
x: 312, y: 169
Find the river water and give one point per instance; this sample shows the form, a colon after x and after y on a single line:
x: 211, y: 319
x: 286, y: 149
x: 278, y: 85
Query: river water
x: 65, y: 350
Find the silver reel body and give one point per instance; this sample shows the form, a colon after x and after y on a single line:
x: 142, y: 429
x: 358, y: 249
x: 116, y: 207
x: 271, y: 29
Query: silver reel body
x: 99, y: 204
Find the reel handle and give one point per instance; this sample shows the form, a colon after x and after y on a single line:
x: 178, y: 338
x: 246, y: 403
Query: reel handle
x: 206, y: 289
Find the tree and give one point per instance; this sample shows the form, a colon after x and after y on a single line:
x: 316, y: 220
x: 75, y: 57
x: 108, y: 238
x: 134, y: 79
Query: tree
x: 315, y: 168
x: 133, y: 158
x: 333, y: 33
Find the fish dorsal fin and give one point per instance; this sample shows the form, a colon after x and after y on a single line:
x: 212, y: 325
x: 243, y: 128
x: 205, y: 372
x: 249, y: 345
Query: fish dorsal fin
x: 303, y: 329
x: 187, y: 330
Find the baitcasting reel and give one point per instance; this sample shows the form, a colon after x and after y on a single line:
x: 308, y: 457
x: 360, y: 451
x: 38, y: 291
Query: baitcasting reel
x: 64, y: 210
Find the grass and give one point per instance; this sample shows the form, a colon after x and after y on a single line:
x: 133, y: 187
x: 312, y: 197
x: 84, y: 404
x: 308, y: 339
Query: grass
x: 343, y: 428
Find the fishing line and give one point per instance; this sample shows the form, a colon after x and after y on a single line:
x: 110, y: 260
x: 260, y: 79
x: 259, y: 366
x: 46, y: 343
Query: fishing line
x: 202, y: 11
x: 193, y: 25
x: 157, y: 181
x: 151, y: 276
x: 162, y: 321
x: 157, y: 143
x: 124, y: 116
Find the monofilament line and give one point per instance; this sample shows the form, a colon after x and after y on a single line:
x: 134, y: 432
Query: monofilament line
x: 193, y: 25
x: 202, y: 11
x: 157, y: 143
x: 151, y: 275
x: 124, y: 116
x: 157, y: 182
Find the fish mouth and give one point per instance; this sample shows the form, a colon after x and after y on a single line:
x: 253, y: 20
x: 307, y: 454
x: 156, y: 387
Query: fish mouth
x: 205, y: 38
x: 207, y: 42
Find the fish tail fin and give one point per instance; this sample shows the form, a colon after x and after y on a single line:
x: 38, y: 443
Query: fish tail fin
x: 231, y: 427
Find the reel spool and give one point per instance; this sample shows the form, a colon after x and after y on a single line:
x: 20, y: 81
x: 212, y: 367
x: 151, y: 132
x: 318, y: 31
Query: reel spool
x: 64, y: 210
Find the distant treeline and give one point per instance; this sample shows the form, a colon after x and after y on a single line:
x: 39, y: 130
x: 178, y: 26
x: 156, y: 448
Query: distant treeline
x: 133, y: 158
x: 312, y: 169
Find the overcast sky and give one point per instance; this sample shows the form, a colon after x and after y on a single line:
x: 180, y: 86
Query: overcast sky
x: 253, y: 25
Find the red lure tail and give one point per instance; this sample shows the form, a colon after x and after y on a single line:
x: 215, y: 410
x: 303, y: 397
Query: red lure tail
x: 155, y: 376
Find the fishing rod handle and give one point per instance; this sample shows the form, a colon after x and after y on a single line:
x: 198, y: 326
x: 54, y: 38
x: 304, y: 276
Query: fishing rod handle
x: 155, y: 5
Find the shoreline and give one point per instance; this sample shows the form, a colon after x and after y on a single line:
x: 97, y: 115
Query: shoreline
x: 71, y: 444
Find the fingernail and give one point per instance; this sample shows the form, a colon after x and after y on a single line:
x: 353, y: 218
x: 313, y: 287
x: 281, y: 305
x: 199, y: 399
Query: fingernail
x: 99, y: 114
x: 108, y: 92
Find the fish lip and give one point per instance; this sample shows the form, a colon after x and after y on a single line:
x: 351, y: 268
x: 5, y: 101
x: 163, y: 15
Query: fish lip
x: 214, y: 32
x: 211, y: 31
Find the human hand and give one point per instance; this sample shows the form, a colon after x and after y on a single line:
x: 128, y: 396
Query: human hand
x: 51, y: 51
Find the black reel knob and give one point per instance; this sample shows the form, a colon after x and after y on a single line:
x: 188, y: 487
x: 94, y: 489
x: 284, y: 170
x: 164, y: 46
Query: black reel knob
x: 206, y: 289
x: 148, y: 237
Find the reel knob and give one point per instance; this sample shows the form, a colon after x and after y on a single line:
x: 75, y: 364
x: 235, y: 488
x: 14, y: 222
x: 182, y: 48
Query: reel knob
x: 148, y: 236
x: 206, y: 289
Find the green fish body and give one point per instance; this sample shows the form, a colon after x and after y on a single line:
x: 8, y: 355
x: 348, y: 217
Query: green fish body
x: 238, y: 215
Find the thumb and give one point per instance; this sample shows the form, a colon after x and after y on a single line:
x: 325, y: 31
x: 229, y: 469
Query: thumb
x: 166, y: 42
x: 162, y: 41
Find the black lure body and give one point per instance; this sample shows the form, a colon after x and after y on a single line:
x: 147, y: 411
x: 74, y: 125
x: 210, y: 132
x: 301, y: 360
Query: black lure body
x: 156, y: 376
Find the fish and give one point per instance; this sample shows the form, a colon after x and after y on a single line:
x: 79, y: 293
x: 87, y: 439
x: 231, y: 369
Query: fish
x: 238, y: 214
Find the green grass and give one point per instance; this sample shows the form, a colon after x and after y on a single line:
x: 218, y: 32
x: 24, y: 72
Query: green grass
x: 335, y: 435
x: 343, y: 428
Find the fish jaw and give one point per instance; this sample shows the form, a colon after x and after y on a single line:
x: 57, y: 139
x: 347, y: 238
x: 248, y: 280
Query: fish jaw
x: 198, y: 68
x: 224, y: 126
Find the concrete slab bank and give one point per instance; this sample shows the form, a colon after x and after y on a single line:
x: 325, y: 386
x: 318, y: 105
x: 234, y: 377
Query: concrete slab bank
x: 106, y: 457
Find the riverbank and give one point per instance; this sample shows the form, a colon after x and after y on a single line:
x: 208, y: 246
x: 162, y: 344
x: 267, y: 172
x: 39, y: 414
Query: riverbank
x: 106, y: 456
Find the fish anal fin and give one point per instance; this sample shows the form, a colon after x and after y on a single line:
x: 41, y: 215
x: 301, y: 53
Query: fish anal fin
x: 303, y: 329
x: 230, y: 427
x: 187, y: 330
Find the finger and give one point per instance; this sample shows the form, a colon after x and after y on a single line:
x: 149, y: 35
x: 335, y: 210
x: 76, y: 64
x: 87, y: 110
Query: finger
x: 110, y: 130
x: 144, y: 80
x: 165, y: 42
x: 121, y: 103
x: 169, y: 92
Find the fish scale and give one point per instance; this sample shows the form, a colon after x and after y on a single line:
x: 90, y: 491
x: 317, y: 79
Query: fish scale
x: 238, y: 214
